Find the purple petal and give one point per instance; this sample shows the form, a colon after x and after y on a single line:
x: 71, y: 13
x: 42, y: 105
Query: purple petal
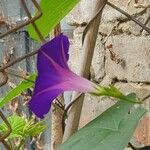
x: 49, y: 73
x: 54, y: 76
x: 69, y: 82
x: 44, y: 81
x: 57, y: 49
x: 40, y: 104
x: 54, y: 51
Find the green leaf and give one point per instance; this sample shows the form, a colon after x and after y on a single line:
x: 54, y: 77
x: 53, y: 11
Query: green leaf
x: 24, y: 85
x: 112, y: 91
x: 53, y: 12
x: 22, y: 128
x: 112, y: 130
x: 17, y: 125
x: 36, y: 129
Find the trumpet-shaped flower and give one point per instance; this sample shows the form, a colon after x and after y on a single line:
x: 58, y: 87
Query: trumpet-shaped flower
x: 54, y: 76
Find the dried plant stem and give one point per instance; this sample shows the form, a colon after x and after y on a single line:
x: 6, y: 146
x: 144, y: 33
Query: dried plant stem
x: 66, y: 111
x: 31, y: 20
x: 39, y: 14
x: 3, y: 137
x: 8, y: 126
x: 19, y: 76
x: 18, y: 60
x: 57, y: 113
x: 33, y: 23
x: 57, y: 30
x: 88, y: 49
x: 5, y: 78
x: 56, y: 127
x: 6, y: 145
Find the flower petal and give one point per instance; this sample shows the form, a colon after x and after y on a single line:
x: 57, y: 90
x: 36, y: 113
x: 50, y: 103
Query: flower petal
x: 52, y: 58
x: 44, y: 81
x: 57, y: 50
x: 40, y: 104
x: 54, y: 76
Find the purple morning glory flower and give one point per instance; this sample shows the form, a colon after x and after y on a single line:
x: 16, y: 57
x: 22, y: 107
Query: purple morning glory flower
x: 54, y: 76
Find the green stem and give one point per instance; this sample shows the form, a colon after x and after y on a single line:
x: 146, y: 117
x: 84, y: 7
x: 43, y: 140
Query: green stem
x: 112, y: 91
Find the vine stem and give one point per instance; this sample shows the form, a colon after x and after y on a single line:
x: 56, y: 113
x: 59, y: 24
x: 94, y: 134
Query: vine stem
x: 90, y: 37
x: 32, y: 22
x: 36, y: 17
x: 56, y: 115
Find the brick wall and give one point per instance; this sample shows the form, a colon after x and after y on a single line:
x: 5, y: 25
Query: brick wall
x: 122, y: 58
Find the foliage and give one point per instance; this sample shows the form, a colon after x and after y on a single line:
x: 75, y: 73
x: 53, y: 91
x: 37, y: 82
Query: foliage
x: 111, y: 130
x: 112, y: 91
x: 53, y: 12
x: 24, y: 85
x: 22, y: 128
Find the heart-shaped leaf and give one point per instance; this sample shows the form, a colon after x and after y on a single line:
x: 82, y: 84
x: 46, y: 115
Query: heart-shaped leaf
x: 111, y: 130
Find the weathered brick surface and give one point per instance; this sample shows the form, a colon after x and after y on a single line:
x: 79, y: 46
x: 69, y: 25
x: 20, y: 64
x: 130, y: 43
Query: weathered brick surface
x: 97, y: 68
x: 135, y: 52
x: 93, y: 107
x: 130, y: 44
x: 80, y: 15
